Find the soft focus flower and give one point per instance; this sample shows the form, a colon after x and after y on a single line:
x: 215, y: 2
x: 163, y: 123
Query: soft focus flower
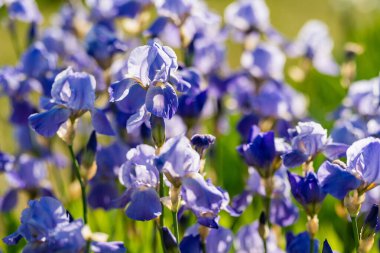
x: 218, y: 240
x: 314, y: 43
x: 248, y: 16
x: 248, y: 240
x: 266, y: 61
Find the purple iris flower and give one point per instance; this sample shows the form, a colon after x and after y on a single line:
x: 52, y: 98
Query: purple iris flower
x: 248, y: 239
x: 103, y: 188
x: 37, y: 61
x: 24, y: 173
x: 177, y: 10
x: 260, y: 151
x: 361, y: 171
x: 363, y: 97
x: 102, y: 44
x: 178, y: 159
x: 218, y: 240
x: 307, y: 191
x: 24, y: 10
x: 266, y: 61
x: 73, y: 93
x: 308, y: 139
x: 151, y: 71
x: 300, y: 243
x: 204, y: 199
x: 140, y: 176
x: 48, y: 227
x: 282, y: 211
x: 248, y: 16
x: 314, y: 43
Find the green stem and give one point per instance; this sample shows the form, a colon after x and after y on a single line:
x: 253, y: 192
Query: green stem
x: 311, y: 244
x: 175, y: 225
x: 162, y: 216
x: 14, y: 38
x: 265, y: 245
x: 354, y: 223
x: 82, y: 185
x: 204, y: 249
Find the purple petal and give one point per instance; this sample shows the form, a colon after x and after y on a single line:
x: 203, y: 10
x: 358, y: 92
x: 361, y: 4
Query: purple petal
x: 47, y: 123
x: 294, y: 159
x: 336, y: 181
x: 162, y: 101
x: 101, y: 123
x: 9, y: 200
x: 145, y: 205
x: 335, y: 150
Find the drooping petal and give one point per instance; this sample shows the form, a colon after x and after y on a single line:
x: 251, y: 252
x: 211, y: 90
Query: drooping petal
x: 336, y: 180
x: 162, y: 101
x: 12, y: 239
x: 9, y: 200
x: 101, y: 194
x: 47, y: 123
x: 108, y: 247
x: 101, y: 123
x: 294, y: 159
x: 82, y: 89
x: 335, y: 150
x: 191, y: 244
x: 120, y: 90
x: 145, y: 205
x: 137, y: 119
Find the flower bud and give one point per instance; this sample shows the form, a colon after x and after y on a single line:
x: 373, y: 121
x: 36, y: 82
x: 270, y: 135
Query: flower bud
x: 201, y: 142
x: 370, y: 224
x: 312, y: 225
x: 158, y: 130
x: 263, y: 226
x: 353, y: 202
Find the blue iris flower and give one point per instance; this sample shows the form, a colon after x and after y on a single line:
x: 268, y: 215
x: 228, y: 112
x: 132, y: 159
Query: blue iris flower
x: 218, y: 240
x: 103, y: 188
x: 307, y: 191
x: 150, y: 84
x: 300, y: 243
x: 140, y: 176
x: 48, y: 227
x: 73, y: 93
x: 361, y: 172
x: 308, y: 139
x: 101, y: 43
x: 260, y: 151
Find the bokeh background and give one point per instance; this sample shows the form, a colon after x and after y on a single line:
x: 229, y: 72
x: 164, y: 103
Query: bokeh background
x: 348, y: 20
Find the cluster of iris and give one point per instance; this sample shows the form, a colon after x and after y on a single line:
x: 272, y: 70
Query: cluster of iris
x: 106, y: 68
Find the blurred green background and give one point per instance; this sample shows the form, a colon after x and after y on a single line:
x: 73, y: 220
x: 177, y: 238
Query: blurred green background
x: 348, y: 20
